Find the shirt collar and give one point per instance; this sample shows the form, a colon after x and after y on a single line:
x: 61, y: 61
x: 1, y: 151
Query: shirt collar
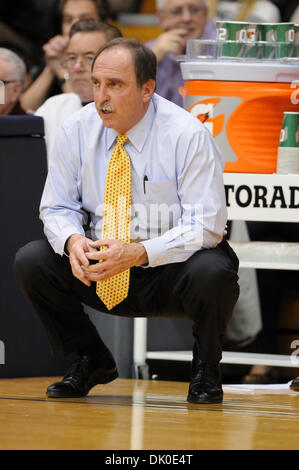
x: 137, y: 134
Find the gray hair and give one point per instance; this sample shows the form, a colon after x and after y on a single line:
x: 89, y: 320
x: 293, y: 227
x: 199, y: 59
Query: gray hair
x: 18, y: 64
x: 160, y: 4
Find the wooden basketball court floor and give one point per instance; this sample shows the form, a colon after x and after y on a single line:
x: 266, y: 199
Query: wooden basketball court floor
x: 145, y: 414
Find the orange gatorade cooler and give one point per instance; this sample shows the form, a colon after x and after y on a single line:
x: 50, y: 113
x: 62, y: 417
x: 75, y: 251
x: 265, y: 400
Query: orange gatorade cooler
x: 242, y: 103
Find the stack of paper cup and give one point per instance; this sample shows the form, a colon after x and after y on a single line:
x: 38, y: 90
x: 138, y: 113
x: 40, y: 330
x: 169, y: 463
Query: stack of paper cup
x: 232, y: 35
x: 288, y: 151
x: 279, y: 39
x: 296, y: 41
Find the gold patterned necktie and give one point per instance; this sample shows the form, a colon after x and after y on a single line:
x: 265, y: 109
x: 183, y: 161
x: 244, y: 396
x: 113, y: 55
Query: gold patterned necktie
x: 116, y: 219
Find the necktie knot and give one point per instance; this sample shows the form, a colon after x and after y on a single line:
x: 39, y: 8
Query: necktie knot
x: 122, y: 139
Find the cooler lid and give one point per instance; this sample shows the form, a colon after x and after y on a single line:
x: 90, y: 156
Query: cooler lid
x: 230, y: 70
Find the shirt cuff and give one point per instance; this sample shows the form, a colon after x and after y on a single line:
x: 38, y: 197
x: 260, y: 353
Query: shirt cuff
x: 156, y: 250
x: 58, y: 244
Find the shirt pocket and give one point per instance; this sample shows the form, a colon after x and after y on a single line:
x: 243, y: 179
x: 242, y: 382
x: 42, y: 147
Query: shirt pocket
x: 160, y: 192
x: 163, y: 205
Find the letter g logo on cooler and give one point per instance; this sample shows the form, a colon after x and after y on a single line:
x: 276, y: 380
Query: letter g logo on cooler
x: 204, y: 111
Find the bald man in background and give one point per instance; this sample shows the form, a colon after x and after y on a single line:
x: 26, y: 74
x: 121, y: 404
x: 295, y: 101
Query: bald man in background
x: 180, y: 20
x: 12, y: 80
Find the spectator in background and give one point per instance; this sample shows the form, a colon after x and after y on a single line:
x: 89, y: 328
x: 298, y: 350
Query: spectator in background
x: 180, y: 20
x: 24, y: 57
x: 87, y: 36
x: 12, y: 79
x: 71, y: 11
x: 295, y: 16
x: 257, y: 11
x: 27, y: 24
x: 124, y: 6
x: 289, y: 10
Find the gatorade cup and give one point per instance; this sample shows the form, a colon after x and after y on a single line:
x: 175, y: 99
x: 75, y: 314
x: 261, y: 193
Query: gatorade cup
x: 274, y: 33
x: 296, y: 41
x: 254, y: 49
x: 233, y: 34
x: 231, y: 30
x: 268, y: 36
x: 270, y: 51
x: 286, y: 50
x: 288, y: 151
x: 289, y: 136
x: 268, y: 32
x: 277, y: 32
x: 254, y: 32
x: 285, y: 33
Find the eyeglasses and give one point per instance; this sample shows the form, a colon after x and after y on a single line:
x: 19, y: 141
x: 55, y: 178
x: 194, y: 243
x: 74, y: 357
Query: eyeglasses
x: 71, y: 61
x: 6, y: 82
x: 193, y: 10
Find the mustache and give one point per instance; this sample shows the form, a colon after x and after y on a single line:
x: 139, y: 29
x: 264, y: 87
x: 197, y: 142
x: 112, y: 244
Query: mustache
x: 105, y: 107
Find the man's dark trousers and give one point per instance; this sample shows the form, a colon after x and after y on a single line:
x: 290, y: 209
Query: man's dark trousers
x: 204, y: 288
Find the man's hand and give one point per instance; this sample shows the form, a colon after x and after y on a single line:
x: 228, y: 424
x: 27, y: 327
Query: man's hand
x: 117, y: 257
x: 171, y: 41
x: 77, y: 246
x: 54, y: 52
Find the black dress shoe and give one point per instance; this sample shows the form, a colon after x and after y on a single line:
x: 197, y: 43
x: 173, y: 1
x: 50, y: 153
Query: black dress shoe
x: 205, y: 385
x: 295, y: 384
x: 85, y: 372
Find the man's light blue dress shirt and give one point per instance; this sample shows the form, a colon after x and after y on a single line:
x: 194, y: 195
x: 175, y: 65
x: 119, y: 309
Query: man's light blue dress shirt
x: 178, y: 198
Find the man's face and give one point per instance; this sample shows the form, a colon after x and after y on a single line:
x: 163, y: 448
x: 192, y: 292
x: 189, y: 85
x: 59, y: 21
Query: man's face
x: 118, y: 99
x: 12, y: 87
x: 81, y: 51
x: 187, y: 14
x: 75, y: 10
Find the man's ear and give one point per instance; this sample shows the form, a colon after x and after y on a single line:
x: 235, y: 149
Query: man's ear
x: 148, y: 89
